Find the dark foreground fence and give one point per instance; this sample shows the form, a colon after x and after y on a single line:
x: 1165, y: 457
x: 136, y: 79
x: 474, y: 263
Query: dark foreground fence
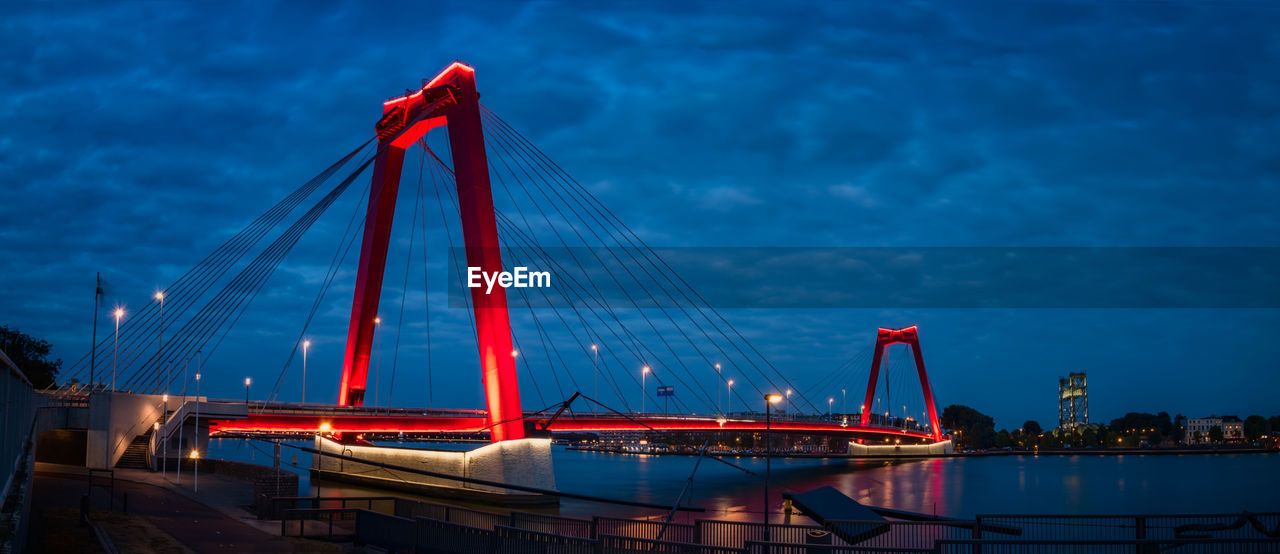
x: 18, y: 407
x: 398, y: 524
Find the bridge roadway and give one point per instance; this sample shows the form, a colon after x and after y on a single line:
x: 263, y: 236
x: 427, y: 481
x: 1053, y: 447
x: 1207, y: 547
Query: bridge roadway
x: 299, y: 418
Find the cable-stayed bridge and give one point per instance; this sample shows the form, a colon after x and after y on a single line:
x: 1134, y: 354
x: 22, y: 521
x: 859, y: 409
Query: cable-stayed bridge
x: 654, y: 332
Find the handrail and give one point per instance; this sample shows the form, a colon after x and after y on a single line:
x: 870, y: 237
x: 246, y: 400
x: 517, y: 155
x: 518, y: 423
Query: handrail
x: 130, y: 434
x: 13, y: 368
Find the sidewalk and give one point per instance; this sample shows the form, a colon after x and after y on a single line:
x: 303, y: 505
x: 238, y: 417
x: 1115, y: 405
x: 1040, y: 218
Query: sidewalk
x: 212, y: 519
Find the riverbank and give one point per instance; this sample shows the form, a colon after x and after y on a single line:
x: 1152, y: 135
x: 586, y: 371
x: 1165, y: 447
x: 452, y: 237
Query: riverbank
x: 988, y: 453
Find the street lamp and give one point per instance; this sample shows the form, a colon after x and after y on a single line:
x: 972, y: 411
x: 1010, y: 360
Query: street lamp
x: 643, y: 373
x: 246, y: 392
x: 719, y: 403
x: 115, y: 356
x: 195, y: 463
x: 729, y: 397
x: 195, y: 437
x: 160, y: 339
x: 788, y: 401
x: 844, y: 401
x: 595, y: 369
x: 305, y: 345
x: 164, y: 456
x: 769, y: 401
x: 830, y: 401
x: 377, y: 358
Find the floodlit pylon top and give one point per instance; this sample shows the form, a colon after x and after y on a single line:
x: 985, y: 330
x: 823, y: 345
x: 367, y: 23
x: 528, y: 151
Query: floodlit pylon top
x: 442, y: 77
x: 893, y: 336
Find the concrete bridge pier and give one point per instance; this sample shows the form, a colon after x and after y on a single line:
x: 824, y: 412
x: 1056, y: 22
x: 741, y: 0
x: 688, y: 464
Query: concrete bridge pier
x: 115, y: 419
x: 900, y: 450
x: 183, y: 432
x: 524, y: 462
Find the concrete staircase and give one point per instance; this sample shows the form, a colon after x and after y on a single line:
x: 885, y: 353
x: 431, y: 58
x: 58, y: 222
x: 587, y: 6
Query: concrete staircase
x: 135, y: 456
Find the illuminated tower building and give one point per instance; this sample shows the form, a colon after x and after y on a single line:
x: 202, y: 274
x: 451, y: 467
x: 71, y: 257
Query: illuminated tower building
x: 1073, y: 401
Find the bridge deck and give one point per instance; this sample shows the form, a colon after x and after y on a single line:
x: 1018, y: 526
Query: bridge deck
x: 310, y: 419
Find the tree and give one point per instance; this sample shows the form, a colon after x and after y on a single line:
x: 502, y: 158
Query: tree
x: 1254, y: 427
x: 31, y: 355
x: 973, y: 428
x: 1179, y: 428
x: 1197, y: 436
x: 1031, y: 427
x: 1155, y: 437
x: 1003, y: 439
x: 1215, y: 433
x: 1089, y: 437
x: 1163, y: 423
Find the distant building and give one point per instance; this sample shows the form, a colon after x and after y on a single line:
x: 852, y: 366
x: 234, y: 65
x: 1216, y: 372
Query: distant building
x: 1073, y: 401
x: 1232, y: 428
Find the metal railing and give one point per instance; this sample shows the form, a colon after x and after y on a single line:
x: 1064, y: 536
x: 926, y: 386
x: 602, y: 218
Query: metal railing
x: 900, y: 534
x: 753, y: 547
x: 329, y: 518
x: 389, y: 532
x: 384, y: 504
x: 736, y: 534
x: 387, y: 521
x: 524, y: 541
x: 1202, y: 546
x: 566, y: 526
x: 1135, y: 527
x: 640, y: 529
x: 614, y: 544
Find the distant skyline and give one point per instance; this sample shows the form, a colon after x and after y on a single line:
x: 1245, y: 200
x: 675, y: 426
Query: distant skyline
x: 135, y: 137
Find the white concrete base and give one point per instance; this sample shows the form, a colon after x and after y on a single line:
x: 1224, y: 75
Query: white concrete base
x: 900, y: 450
x: 115, y: 418
x: 521, y: 462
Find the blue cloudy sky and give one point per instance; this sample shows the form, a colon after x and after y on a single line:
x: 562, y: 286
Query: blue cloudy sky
x: 135, y: 137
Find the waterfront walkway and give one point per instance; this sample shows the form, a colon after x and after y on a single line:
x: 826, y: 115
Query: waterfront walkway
x: 181, y: 519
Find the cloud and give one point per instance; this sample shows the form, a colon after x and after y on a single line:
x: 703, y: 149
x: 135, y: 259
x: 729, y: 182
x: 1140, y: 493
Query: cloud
x: 135, y: 137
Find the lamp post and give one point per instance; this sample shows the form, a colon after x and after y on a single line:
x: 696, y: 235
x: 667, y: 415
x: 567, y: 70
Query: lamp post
x: 830, y: 401
x: 182, y: 424
x: 643, y: 373
x: 195, y: 450
x: 844, y: 401
x: 595, y: 369
x: 729, y: 396
x: 788, y: 401
x: 769, y: 401
x: 195, y: 463
x: 115, y: 355
x: 719, y: 403
x: 159, y: 339
x: 305, y: 345
x: 164, y: 456
x: 377, y: 358
x: 246, y: 392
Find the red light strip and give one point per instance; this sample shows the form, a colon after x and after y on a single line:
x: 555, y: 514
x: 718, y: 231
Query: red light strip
x: 410, y: 424
x: 447, y: 71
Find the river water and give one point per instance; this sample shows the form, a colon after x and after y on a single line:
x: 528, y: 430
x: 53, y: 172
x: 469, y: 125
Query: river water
x: 957, y: 487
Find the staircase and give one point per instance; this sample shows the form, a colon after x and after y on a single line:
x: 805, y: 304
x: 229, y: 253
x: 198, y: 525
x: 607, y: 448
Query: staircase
x: 135, y: 456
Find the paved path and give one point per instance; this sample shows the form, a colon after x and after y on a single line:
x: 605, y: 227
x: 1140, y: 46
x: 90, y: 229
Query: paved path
x: 215, y: 523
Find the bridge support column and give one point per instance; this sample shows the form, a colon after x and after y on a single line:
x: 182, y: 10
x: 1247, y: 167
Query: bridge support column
x: 448, y: 99
x: 911, y: 337
x: 900, y: 450
x: 519, y: 462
